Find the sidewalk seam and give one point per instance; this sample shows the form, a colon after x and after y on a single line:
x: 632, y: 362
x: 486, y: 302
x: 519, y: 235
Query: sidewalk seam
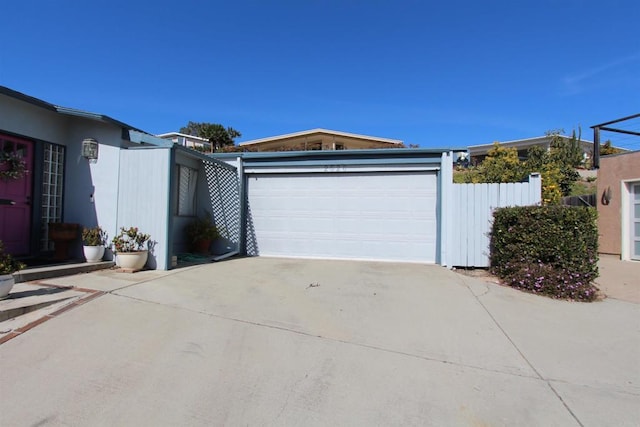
x: 92, y: 294
x: 458, y: 277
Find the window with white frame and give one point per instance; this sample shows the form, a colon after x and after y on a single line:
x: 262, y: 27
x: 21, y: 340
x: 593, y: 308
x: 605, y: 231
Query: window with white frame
x: 187, y: 179
x: 52, y: 189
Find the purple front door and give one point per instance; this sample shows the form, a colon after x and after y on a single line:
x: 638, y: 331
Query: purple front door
x: 16, y: 165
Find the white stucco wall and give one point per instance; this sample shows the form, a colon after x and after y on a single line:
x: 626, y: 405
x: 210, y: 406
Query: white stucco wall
x: 91, y: 189
x: 25, y: 119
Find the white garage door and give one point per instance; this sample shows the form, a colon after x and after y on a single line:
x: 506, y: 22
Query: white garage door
x: 374, y: 216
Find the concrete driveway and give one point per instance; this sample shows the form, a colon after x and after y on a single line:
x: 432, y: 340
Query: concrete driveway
x: 264, y: 341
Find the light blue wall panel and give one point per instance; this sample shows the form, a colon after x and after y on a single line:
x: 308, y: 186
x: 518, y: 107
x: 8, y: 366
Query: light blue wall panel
x: 143, y: 199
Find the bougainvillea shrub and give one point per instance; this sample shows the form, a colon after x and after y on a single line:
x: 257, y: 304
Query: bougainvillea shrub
x: 549, y: 250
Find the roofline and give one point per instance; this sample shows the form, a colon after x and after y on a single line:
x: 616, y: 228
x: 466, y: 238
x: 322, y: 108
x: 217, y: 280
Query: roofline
x: 64, y: 110
x: 514, y: 141
x: 145, y: 138
x: 320, y: 130
x: 619, y: 154
x: 393, y: 152
x: 162, y: 135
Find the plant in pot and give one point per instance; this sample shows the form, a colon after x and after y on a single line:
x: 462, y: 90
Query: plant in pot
x: 131, y: 248
x: 94, y: 240
x: 8, y: 266
x: 201, y: 232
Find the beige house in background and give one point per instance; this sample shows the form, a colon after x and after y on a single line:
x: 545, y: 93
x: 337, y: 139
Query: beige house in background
x: 319, y: 139
x: 619, y: 205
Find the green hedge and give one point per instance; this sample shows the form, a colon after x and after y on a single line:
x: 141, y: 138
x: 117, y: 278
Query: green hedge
x: 551, y: 250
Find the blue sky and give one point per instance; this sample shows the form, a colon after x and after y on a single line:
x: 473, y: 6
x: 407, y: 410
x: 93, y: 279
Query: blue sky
x: 437, y: 74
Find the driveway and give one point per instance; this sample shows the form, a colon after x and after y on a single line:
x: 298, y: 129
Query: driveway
x: 262, y: 341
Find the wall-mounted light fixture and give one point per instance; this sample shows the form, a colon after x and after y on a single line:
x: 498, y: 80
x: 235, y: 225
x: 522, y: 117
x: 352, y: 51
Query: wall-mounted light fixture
x: 90, y: 149
x: 606, y: 196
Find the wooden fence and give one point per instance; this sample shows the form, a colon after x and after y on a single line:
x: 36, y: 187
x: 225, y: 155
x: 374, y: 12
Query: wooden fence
x: 584, y: 200
x: 472, y: 216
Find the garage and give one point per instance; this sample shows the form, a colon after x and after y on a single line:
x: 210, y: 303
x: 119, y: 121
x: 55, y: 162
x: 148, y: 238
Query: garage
x: 390, y: 216
x: 375, y: 205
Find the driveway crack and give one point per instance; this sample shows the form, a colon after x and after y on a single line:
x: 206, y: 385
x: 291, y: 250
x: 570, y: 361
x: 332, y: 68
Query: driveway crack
x: 495, y: 321
x: 335, y: 340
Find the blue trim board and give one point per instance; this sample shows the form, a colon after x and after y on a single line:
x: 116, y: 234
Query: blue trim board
x: 170, y: 210
x: 332, y: 154
x: 439, y: 218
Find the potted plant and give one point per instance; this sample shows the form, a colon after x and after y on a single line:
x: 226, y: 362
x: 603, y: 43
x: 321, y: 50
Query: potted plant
x: 131, y: 248
x: 8, y: 266
x: 93, y: 240
x: 201, y: 232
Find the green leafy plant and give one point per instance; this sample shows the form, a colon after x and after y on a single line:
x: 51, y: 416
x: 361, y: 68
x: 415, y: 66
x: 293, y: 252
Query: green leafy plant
x: 8, y: 265
x: 549, y: 250
x: 130, y: 240
x: 94, y: 236
x: 201, y: 229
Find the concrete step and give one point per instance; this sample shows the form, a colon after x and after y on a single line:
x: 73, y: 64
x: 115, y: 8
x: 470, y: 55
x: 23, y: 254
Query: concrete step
x: 28, y: 303
x: 49, y: 271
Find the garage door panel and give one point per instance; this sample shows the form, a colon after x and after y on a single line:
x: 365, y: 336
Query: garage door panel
x: 390, y: 216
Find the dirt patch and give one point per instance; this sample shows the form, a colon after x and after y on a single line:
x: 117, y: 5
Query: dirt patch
x: 479, y: 273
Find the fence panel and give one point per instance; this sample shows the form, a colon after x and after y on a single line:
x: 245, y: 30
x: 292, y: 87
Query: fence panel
x: 584, y: 200
x: 473, y: 206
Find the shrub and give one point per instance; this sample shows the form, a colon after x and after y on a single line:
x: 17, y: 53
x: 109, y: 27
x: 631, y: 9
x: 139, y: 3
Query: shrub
x: 8, y: 265
x: 201, y: 229
x: 130, y: 240
x: 94, y: 236
x: 551, y: 250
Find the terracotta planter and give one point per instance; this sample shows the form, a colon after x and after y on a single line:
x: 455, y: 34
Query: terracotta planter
x: 93, y: 253
x: 133, y: 261
x: 202, y: 246
x: 6, y: 283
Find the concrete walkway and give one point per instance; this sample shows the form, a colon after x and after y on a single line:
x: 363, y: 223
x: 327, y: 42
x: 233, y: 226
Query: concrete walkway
x: 619, y: 279
x: 289, y: 342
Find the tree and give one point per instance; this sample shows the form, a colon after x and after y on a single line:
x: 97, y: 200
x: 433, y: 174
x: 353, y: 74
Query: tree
x: 555, y: 167
x: 215, y: 133
x: 566, y: 151
x: 501, y: 165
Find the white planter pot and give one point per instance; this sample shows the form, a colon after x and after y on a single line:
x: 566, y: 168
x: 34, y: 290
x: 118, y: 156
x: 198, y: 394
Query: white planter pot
x: 93, y: 253
x: 6, y: 283
x: 132, y: 260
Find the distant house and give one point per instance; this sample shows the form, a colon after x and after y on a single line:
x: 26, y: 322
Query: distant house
x: 189, y: 141
x: 619, y: 205
x: 319, y: 139
x: 479, y: 152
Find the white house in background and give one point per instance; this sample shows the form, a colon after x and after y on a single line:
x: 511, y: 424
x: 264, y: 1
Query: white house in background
x: 188, y: 141
x: 479, y: 152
